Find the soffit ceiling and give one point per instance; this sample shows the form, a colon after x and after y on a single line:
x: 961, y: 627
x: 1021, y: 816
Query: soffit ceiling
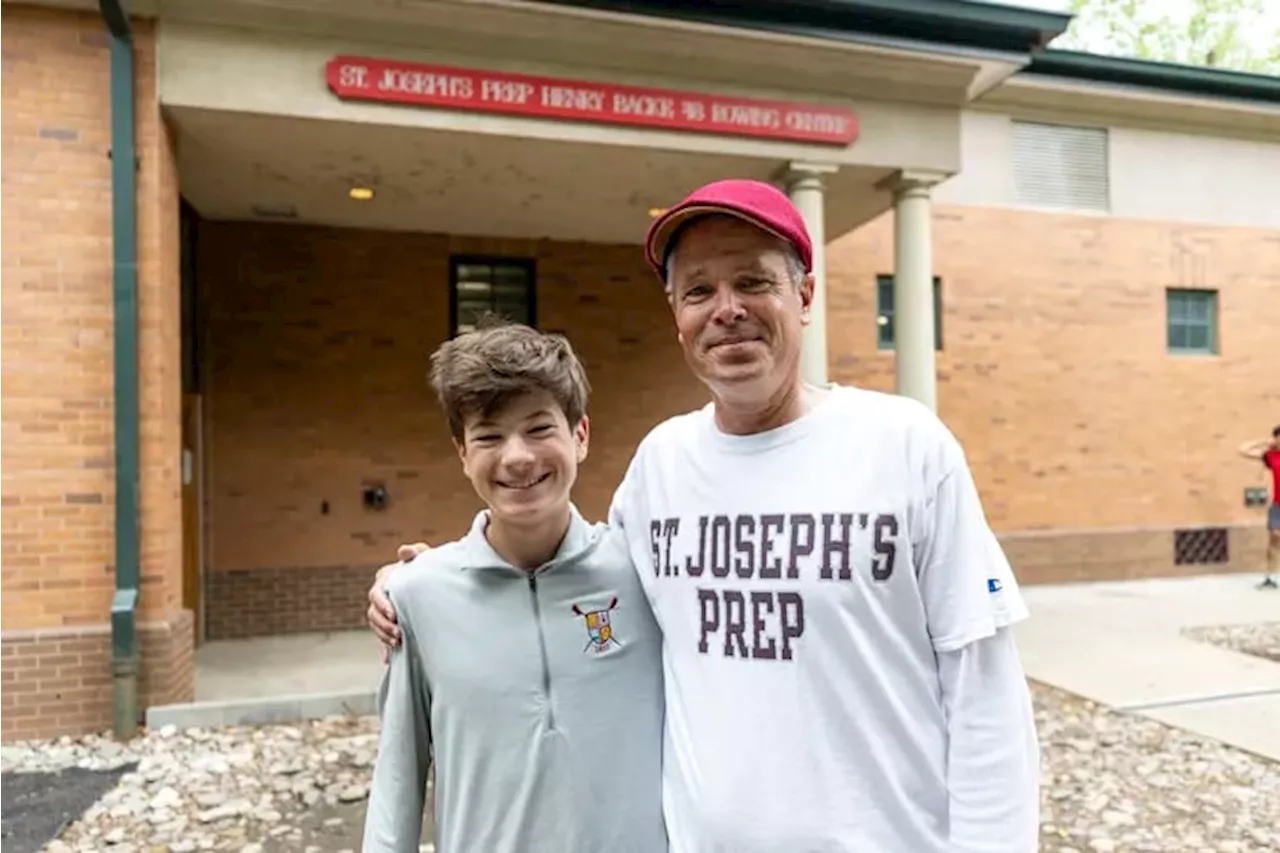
x: 250, y: 166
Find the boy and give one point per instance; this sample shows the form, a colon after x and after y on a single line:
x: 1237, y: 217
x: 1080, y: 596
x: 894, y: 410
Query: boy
x: 530, y: 669
x: 1268, y: 452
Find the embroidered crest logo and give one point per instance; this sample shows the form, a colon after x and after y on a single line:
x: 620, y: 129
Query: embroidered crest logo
x: 599, y: 627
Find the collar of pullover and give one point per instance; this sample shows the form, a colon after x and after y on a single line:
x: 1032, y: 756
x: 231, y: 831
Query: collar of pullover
x: 578, y: 540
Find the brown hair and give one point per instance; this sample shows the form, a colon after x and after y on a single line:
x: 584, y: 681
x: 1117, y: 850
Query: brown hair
x: 480, y: 372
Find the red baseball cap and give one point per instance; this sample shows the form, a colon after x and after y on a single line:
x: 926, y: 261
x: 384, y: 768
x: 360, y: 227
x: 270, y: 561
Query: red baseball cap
x: 761, y: 204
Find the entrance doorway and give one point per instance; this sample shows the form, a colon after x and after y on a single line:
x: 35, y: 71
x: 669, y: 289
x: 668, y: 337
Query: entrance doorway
x: 192, y: 426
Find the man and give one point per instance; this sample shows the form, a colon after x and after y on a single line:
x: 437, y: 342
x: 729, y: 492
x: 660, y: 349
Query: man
x: 1268, y: 452
x: 839, y: 669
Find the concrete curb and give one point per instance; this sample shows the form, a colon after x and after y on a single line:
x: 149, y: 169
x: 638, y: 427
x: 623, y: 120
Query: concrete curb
x: 256, y: 712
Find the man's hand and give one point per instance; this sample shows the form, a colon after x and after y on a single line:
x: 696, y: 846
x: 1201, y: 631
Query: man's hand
x: 381, y: 615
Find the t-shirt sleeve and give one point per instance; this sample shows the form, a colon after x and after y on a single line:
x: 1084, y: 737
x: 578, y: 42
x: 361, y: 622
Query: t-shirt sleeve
x: 1271, y: 459
x: 620, y: 506
x: 627, y: 511
x: 967, y: 584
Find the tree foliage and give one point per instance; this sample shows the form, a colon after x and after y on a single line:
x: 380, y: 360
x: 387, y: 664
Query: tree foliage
x: 1229, y: 34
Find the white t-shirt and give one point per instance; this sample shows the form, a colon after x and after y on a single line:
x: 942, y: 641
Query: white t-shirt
x: 804, y: 579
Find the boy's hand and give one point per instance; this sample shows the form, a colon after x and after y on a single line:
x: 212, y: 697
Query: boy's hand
x: 381, y: 615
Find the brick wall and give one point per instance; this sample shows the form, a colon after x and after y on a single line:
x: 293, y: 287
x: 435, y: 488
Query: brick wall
x: 58, y: 682
x: 168, y: 661
x: 287, y: 600
x: 318, y: 345
x: 1054, y: 373
x: 58, y: 485
x: 316, y: 360
x: 1122, y: 553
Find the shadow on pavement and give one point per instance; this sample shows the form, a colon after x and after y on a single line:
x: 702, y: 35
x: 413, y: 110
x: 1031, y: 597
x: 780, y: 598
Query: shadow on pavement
x: 36, y: 807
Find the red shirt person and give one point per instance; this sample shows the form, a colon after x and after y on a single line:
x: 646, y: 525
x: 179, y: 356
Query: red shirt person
x: 1268, y: 452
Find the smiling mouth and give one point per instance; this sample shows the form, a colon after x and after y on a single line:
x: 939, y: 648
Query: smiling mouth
x: 735, y: 342
x: 526, y: 484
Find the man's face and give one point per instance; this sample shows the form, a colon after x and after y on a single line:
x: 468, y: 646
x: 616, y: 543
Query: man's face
x: 523, y: 459
x: 739, y: 313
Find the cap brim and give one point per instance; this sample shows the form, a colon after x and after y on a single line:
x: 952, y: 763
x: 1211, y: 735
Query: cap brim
x: 665, y: 228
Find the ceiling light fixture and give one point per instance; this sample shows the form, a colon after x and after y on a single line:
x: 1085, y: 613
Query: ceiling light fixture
x: 360, y: 193
x: 655, y: 212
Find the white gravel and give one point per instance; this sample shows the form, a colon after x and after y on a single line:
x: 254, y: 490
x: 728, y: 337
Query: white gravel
x: 1258, y: 638
x: 1120, y: 782
x: 1112, y: 782
x: 199, y: 789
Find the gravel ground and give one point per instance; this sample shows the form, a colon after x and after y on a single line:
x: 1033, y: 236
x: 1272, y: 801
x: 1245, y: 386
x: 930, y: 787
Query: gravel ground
x: 1120, y: 782
x: 1259, y: 638
x: 1112, y: 782
x: 255, y: 790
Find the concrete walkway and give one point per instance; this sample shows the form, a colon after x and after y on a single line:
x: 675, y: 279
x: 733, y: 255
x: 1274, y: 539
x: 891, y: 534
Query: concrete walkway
x: 1117, y: 643
x: 293, y: 664
x: 1121, y: 644
x: 279, y: 679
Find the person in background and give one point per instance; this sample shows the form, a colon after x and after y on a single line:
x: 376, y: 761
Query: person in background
x: 1268, y: 452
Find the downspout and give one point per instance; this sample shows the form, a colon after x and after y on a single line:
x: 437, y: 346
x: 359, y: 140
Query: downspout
x: 125, y: 663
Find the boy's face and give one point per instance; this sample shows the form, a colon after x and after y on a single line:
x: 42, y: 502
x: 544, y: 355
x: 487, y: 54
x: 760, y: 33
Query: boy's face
x: 523, y: 459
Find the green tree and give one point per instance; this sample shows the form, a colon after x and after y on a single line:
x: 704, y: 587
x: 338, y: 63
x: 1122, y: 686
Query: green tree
x: 1230, y: 34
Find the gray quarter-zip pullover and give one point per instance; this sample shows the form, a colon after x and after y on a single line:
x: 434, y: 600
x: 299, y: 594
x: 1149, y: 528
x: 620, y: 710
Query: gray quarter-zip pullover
x: 538, y: 694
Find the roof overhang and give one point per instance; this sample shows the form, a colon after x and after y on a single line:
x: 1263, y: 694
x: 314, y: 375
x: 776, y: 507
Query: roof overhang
x: 986, y: 42
x: 1062, y: 85
x: 936, y: 52
x: 920, y: 24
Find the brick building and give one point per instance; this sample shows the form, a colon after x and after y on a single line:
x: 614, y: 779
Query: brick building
x: 1087, y: 254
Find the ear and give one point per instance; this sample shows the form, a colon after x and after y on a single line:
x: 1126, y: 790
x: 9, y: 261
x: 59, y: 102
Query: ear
x: 807, y: 286
x: 461, y: 447
x: 671, y: 303
x: 582, y: 438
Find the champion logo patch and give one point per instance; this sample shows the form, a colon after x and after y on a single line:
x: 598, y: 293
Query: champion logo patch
x: 994, y: 585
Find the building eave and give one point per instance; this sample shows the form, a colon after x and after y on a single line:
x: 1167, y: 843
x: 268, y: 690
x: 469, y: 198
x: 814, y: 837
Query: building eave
x: 944, y: 23
x: 1155, y: 76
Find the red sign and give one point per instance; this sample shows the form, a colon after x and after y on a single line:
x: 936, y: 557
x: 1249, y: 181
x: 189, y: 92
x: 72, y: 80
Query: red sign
x: 358, y: 78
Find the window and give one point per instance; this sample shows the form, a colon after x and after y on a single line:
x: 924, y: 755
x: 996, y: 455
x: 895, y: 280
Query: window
x: 503, y: 286
x: 1060, y: 166
x: 884, y: 312
x: 1192, y: 320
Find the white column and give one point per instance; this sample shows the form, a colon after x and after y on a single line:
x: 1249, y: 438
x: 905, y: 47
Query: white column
x: 913, y: 317
x: 804, y: 183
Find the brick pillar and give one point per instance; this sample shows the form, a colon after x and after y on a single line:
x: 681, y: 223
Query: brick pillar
x: 168, y: 632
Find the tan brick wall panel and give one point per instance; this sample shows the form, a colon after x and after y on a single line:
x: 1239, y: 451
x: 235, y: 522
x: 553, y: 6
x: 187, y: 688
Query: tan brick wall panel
x: 316, y: 361
x: 58, y: 453
x: 1054, y: 372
